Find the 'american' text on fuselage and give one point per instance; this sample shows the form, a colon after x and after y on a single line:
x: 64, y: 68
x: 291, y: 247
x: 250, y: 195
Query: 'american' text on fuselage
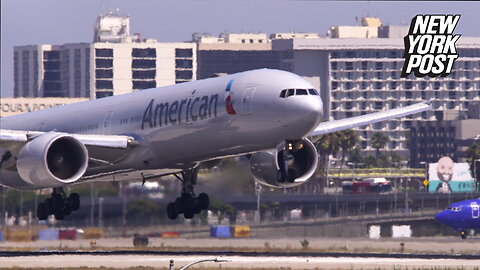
x: 186, y: 110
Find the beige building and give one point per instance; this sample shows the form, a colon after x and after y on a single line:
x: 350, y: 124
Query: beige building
x: 116, y: 63
x: 13, y: 106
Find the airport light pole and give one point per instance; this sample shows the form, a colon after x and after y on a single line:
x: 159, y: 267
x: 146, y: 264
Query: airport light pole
x: 426, y: 173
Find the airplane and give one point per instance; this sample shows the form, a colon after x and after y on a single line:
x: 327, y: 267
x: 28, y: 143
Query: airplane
x: 267, y: 115
x: 461, y: 216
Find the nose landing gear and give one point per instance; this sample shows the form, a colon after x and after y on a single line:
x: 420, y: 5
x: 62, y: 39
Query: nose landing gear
x: 58, y: 205
x: 188, y: 204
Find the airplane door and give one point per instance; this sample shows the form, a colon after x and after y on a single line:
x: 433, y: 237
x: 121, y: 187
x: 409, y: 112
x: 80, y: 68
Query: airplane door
x: 475, y: 210
x: 247, y: 100
x: 107, y: 122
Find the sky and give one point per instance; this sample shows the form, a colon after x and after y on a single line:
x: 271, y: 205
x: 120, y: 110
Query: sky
x: 28, y: 22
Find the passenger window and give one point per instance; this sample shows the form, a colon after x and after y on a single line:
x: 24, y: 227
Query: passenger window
x: 282, y: 94
x: 302, y: 92
x: 313, y: 92
x: 290, y: 92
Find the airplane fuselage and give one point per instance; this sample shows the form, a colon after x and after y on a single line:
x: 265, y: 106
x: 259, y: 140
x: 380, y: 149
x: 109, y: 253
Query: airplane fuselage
x: 178, y: 126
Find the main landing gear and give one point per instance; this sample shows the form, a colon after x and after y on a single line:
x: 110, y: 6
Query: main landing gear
x: 58, y: 205
x: 187, y: 204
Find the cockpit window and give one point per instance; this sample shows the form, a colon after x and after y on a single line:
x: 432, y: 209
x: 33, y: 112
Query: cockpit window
x: 455, y: 209
x: 299, y: 92
x: 313, y: 92
x: 290, y: 92
x: 302, y: 92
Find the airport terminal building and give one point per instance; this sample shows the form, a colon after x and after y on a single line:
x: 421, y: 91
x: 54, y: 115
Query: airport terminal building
x: 359, y: 76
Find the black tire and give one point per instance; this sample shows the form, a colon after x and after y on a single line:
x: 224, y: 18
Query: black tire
x: 42, y: 212
x: 59, y: 215
x: 188, y: 214
x: 463, y: 235
x: 171, y: 213
x: 203, y: 201
x: 74, y: 201
x: 58, y: 203
x: 188, y: 202
x: 179, y: 205
x: 48, y: 206
x: 67, y: 211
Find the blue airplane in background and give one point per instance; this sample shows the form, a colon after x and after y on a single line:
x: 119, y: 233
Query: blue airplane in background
x: 461, y: 216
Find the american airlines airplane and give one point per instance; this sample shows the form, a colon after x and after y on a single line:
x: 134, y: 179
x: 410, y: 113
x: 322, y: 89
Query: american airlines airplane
x: 267, y: 115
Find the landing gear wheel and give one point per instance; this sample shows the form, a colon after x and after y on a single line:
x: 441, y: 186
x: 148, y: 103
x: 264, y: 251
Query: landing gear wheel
x: 58, y: 205
x: 42, y: 213
x: 188, y: 204
x: 74, y: 201
x: 48, y: 206
x: 171, y: 213
x: 203, y: 201
x: 179, y: 205
x: 59, y: 214
x: 188, y: 214
x: 463, y: 235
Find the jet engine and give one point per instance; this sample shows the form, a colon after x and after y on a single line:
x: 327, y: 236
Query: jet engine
x: 52, y: 159
x: 291, y: 164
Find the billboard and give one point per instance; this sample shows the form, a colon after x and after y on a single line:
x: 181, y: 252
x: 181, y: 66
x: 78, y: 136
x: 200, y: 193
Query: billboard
x: 445, y: 176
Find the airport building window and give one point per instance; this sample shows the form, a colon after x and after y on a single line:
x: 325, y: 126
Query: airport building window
x: 183, y: 74
x: 452, y: 94
x: 144, y: 84
x: 104, y: 52
x: 408, y: 94
x: 183, y: 63
x: 393, y: 85
x: 334, y: 85
x: 378, y: 105
x: 104, y: 63
x: 179, y: 53
x: 436, y: 85
x: 104, y: 73
x: 408, y: 84
x: 144, y: 53
x: 348, y: 65
x: 349, y: 85
x: 144, y: 74
x: 103, y: 84
x: 364, y: 65
x: 379, y: 66
x: 51, y: 55
x: 334, y: 65
x: 378, y: 85
x: 143, y: 63
x: 102, y: 94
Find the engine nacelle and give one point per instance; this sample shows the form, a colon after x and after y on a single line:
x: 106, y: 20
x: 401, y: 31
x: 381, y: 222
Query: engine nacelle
x: 52, y: 159
x: 290, y: 165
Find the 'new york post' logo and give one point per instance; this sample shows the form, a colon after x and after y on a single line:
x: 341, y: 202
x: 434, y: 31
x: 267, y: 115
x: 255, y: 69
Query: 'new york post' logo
x: 430, y: 46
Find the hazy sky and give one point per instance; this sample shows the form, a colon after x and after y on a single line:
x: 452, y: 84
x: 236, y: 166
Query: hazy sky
x: 26, y: 22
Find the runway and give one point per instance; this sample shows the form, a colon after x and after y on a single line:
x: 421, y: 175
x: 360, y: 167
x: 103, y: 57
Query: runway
x: 247, y: 262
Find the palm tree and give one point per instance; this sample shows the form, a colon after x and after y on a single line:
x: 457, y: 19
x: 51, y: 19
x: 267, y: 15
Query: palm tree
x: 472, y: 154
x: 348, y: 140
x: 326, y: 145
x: 379, y: 140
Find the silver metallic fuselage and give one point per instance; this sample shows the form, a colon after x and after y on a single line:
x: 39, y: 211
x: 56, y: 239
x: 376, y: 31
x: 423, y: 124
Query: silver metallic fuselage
x: 181, y: 125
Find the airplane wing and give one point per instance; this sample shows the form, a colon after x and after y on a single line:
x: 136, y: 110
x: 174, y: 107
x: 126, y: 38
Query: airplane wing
x: 14, y: 138
x: 357, y: 121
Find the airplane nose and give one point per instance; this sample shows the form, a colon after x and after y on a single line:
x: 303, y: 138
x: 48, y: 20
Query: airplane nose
x: 442, y: 217
x: 302, y: 115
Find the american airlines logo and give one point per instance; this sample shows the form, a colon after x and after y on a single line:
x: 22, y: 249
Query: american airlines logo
x: 185, y: 110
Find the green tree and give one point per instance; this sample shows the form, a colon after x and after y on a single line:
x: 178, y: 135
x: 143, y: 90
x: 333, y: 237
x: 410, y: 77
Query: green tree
x: 326, y: 145
x: 472, y: 154
x: 379, y: 140
x: 347, y: 142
